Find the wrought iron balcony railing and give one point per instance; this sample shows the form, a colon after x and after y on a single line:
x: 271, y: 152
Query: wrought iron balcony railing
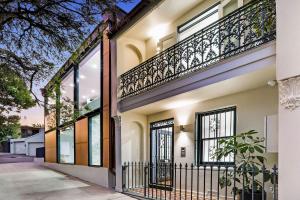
x: 247, y: 27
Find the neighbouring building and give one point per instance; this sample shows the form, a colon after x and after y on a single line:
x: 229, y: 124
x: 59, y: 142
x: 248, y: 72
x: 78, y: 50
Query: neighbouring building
x: 78, y: 121
x: 27, y: 145
x: 166, y: 85
x: 27, y: 131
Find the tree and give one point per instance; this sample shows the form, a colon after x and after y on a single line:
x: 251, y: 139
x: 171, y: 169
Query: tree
x: 37, y: 35
x: 37, y: 125
x: 14, y: 96
x: 9, y: 127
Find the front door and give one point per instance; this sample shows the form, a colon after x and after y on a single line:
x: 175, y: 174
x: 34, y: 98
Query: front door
x: 162, y: 150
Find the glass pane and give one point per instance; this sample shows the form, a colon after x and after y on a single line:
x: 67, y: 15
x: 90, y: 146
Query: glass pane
x: 90, y: 81
x: 95, y: 140
x: 229, y: 123
x: 208, y: 150
x: 205, y: 127
x: 66, y: 145
x: 67, y: 98
x: 50, y: 115
x: 223, y: 124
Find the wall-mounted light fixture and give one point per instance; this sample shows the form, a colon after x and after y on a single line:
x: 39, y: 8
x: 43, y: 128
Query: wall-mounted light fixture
x: 181, y: 127
x: 272, y: 83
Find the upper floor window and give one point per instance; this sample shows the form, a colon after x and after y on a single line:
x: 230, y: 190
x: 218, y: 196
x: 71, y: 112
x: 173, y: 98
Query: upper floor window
x: 211, y: 127
x: 67, y: 98
x: 90, y: 81
x: 199, y: 22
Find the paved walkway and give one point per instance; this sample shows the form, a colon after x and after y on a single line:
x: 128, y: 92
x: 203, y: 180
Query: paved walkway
x: 29, y: 181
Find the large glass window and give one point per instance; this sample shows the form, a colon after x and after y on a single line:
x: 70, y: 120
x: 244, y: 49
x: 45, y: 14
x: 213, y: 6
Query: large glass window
x: 213, y: 126
x: 95, y: 140
x: 90, y: 81
x: 67, y: 98
x: 66, y: 145
x: 199, y: 22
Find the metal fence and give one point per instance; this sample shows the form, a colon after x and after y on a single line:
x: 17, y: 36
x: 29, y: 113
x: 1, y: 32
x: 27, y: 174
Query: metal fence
x: 245, y: 28
x: 199, y: 182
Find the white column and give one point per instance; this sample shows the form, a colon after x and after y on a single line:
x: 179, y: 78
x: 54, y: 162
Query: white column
x: 289, y: 138
x: 118, y: 153
x: 287, y: 72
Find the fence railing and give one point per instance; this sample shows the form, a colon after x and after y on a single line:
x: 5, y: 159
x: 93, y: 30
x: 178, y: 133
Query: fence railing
x: 247, y: 27
x: 199, y: 182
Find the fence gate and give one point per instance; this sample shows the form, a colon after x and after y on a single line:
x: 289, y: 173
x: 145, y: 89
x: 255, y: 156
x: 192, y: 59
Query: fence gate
x: 161, y: 153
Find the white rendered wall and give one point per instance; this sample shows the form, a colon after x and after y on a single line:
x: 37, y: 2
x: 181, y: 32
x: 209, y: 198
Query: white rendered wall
x: 96, y: 175
x: 252, y: 107
x: 288, y: 65
x: 133, y: 137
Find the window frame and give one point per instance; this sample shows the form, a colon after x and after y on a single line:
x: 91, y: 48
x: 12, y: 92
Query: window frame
x: 199, y: 152
x: 196, y: 22
x: 77, y: 78
x: 91, y: 115
x: 46, y: 110
x: 75, y: 69
x: 66, y: 125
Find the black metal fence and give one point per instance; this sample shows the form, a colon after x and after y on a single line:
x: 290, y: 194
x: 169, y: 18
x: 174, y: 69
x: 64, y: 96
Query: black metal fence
x: 199, y: 182
x: 247, y: 27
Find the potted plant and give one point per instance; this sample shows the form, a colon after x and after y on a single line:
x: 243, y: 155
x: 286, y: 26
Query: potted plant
x: 249, y: 165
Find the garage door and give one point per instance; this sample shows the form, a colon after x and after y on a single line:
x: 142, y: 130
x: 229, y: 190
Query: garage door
x: 32, y: 148
x: 19, y: 148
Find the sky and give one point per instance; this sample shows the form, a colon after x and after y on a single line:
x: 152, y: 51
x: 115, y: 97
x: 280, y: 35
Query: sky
x: 36, y: 114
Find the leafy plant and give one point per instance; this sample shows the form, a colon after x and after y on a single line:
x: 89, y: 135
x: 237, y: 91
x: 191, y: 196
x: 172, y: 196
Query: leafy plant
x: 248, y: 149
x: 263, y: 20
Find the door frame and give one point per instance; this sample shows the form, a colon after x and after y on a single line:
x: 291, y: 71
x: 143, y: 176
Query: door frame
x: 155, y: 185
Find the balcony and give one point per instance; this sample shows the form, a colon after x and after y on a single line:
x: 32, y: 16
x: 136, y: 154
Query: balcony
x: 244, y: 29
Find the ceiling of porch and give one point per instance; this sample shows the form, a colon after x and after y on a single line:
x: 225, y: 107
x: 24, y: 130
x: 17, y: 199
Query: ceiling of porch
x: 234, y: 85
x: 160, y: 18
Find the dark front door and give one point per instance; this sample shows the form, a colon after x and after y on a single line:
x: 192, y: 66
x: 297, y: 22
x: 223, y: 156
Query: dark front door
x: 162, y: 152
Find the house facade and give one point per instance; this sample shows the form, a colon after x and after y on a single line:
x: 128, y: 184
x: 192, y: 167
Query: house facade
x: 77, y: 114
x: 27, y: 145
x: 177, y: 77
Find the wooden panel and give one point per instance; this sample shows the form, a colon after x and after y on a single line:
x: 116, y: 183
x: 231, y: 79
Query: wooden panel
x: 50, y: 147
x: 81, y: 142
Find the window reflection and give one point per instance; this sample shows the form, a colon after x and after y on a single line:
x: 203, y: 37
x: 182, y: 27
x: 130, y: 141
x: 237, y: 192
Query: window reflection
x: 67, y: 98
x: 66, y: 145
x: 50, y: 115
x: 90, y: 81
x: 95, y: 138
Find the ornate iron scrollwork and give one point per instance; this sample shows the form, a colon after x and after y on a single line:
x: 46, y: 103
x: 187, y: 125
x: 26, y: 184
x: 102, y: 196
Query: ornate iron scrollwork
x: 247, y: 27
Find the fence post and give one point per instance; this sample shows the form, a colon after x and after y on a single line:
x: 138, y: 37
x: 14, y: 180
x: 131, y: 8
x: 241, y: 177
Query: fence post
x: 145, y: 181
x: 274, y: 177
x: 123, y: 177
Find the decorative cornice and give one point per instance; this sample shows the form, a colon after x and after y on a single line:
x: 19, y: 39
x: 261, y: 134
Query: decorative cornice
x: 117, y: 119
x: 289, y: 93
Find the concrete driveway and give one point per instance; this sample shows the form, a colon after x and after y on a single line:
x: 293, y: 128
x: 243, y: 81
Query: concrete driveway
x: 30, y: 181
x: 14, y: 158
